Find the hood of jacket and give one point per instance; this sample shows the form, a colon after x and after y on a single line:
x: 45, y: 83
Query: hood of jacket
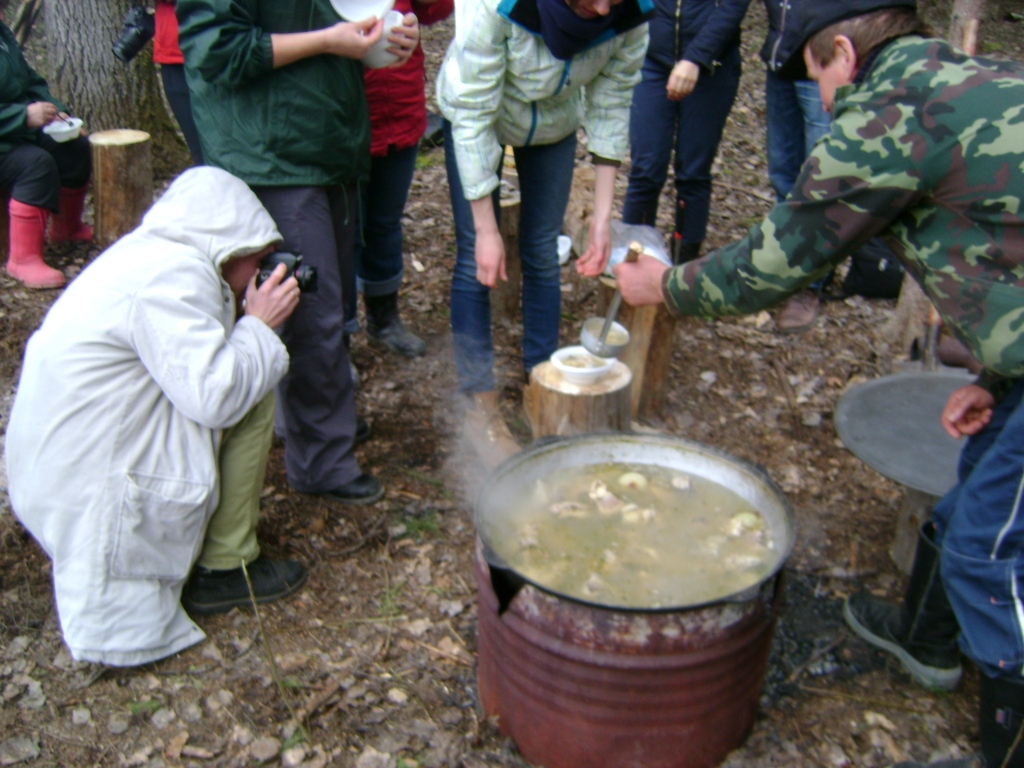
x: 212, y: 212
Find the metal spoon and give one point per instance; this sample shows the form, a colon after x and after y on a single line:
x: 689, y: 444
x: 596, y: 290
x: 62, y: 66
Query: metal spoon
x: 635, y: 249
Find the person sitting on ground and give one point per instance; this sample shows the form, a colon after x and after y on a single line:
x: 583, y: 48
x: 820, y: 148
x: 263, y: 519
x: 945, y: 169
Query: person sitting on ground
x: 142, y: 423
x: 42, y: 176
x: 926, y: 146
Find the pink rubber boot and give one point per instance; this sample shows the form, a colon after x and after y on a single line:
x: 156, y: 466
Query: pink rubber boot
x: 25, y: 259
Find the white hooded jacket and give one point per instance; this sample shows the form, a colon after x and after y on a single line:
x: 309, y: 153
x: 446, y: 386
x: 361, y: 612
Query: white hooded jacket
x: 124, y: 393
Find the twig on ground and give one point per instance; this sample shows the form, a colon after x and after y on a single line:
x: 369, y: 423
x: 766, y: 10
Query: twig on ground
x: 275, y: 672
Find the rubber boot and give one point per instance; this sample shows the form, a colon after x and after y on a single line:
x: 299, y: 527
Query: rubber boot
x: 486, y: 430
x: 25, y: 257
x: 683, y: 251
x: 1001, y: 722
x: 68, y: 225
x: 921, y: 632
x: 385, y: 326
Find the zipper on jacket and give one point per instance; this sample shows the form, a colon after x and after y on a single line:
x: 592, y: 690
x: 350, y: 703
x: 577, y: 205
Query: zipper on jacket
x: 565, y: 77
x: 533, y: 123
x: 677, y: 54
x: 784, y: 4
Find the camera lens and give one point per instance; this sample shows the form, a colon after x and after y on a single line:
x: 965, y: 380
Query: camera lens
x: 139, y: 27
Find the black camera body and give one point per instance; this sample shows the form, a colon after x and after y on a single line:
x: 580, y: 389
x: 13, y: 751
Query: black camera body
x: 139, y: 28
x: 305, y: 275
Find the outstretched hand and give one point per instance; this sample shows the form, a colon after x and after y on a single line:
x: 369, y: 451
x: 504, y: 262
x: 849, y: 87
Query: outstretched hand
x: 968, y: 411
x: 640, y: 281
x: 274, y: 301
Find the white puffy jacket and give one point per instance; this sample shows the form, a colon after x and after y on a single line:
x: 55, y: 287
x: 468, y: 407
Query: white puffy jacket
x: 124, y: 393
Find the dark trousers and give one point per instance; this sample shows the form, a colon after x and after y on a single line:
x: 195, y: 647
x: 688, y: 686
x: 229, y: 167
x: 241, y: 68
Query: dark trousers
x: 316, y: 397
x: 379, y: 263
x: 176, y: 90
x: 34, y: 173
x: 690, y: 130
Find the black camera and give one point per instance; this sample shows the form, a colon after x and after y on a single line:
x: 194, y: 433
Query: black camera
x: 139, y: 27
x: 305, y: 275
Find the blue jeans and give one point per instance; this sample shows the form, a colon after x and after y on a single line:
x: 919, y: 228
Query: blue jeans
x: 691, y: 129
x: 545, y: 179
x: 980, y: 528
x: 379, y: 264
x: 796, y: 120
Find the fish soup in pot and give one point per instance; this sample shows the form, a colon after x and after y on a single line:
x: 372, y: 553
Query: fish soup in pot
x: 634, y: 522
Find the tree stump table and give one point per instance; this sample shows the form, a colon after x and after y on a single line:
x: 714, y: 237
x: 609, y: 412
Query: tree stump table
x: 122, y: 182
x: 892, y: 424
x: 648, y: 353
x: 555, y: 407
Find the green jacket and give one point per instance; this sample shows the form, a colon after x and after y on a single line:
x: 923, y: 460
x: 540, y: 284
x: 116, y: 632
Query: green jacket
x: 305, y: 124
x: 20, y: 86
x: 929, y: 151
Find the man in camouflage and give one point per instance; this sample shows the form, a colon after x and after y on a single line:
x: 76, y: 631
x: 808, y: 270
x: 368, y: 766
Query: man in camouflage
x: 926, y: 148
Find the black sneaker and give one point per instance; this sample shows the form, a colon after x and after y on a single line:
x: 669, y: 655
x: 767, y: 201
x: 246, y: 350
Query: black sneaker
x: 936, y: 667
x: 363, y: 490
x: 208, y: 591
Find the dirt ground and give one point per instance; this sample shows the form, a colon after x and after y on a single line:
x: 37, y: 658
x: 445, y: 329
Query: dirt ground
x: 374, y: 660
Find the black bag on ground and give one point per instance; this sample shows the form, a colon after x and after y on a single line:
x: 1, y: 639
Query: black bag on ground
x: 875, y: 272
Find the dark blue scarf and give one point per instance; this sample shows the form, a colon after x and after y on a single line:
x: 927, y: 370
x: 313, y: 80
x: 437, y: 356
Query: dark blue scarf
x: 566, y: 34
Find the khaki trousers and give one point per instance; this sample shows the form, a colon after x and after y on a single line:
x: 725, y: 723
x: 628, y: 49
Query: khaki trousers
x: 231, y: 533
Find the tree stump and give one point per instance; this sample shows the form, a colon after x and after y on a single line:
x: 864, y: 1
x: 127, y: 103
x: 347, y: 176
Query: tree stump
x: 506, y: 297
x: 648, y: 353
x: 556, y: 407
x: 122, y: 181
x: 915, y: 511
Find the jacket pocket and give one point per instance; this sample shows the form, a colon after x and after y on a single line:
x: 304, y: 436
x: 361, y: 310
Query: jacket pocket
x: 159, y: 527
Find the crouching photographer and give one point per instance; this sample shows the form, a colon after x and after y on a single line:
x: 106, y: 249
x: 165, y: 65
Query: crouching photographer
x: 140, y: 431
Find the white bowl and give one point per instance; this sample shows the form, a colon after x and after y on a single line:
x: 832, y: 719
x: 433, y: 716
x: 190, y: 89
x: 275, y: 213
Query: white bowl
x: 578, y: 366
x: 64, y: 130
x: 564, y: 249
x: 379, y: 55
x: 357, y: 10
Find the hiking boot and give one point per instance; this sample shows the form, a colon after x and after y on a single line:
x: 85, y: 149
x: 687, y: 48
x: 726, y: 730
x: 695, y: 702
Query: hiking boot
x: 798, y: 313
x: 209, y: 591
x: 921, y: 632
x: 486, y: 430
x: 365, y: 489
x: 385, y: 326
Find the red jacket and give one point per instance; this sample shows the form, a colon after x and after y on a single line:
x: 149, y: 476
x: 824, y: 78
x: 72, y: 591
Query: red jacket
x: 398, y: 105
x: 165, y: 41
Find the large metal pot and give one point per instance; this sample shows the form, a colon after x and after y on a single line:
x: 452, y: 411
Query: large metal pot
x: 577, y: 684
x: 502, y: 491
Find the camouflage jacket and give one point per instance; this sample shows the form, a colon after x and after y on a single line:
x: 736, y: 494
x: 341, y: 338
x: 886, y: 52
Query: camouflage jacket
x: 928, y: 151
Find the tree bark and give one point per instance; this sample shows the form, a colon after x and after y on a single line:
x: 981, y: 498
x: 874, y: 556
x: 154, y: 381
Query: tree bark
x: 963, y: 24
x: 104, y: 91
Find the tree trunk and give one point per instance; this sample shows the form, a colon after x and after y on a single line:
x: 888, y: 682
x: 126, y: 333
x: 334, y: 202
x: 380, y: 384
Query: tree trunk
x: 963, y: 24
x: 101, y: 89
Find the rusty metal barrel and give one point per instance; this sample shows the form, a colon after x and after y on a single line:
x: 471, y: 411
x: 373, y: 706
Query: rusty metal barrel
x: 579, y: 684
x: 575, y: 685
